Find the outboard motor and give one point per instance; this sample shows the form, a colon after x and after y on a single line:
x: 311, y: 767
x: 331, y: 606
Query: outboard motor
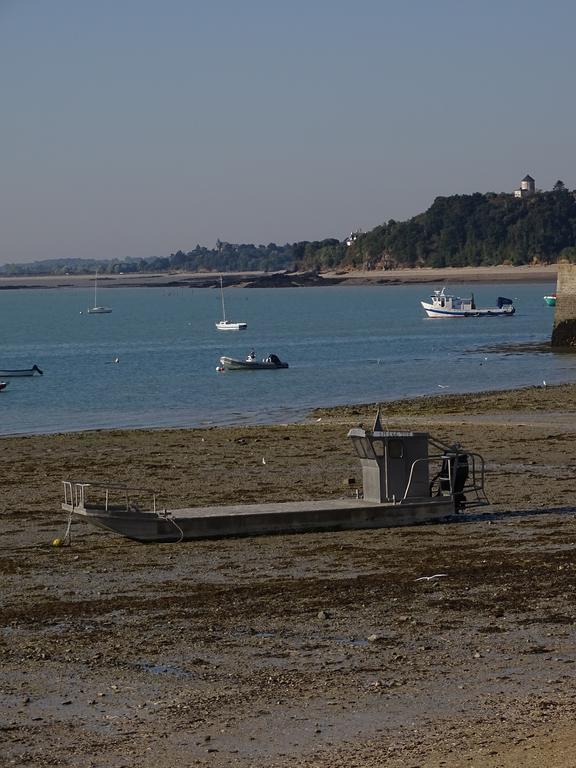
x: 452, y: 478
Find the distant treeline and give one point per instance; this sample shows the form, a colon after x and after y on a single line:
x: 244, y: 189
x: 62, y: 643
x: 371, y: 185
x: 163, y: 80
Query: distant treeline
x: 461, y: 230
x: 225, y: 257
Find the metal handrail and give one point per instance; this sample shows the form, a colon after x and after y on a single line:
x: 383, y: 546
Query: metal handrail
x: 473, y: 485
x: 426, y: 460
x: 75, y: 493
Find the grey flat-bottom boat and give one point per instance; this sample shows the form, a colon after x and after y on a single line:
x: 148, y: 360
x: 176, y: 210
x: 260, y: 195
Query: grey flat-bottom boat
x: 12, y: 372
x: 399, y: 488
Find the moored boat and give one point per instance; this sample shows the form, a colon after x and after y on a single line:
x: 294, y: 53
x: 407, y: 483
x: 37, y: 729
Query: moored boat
x: 97, y: 309
x: 550, y: 299
x: 250, y: 363
x: 13, y: 372
x: 230, y: 325
x: 224, y: 324
x: 3, y: 385
x: 446, y: 305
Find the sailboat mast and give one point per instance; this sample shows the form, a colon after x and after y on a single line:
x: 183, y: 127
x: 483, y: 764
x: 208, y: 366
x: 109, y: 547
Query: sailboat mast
x: 222, y: 297
x: 96, y: 289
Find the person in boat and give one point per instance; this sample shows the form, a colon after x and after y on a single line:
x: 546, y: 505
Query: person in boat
x: 251, y: 357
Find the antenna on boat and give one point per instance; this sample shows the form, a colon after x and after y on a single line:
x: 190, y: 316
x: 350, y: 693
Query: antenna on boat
x: 377, y: 422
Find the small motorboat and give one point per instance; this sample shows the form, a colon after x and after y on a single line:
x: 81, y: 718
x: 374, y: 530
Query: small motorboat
x: 7, y: 372
x: 3, y: 385
x: 550, y: 300
x: 445, y: 305
x: 250, y: 363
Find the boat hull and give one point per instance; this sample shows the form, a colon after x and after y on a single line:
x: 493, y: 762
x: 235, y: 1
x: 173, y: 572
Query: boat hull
x: 226, y: 325
x: 99, y: 311
x: 550, y: 300
x: 264, y: 519
x: 12, y: 373
x: 232, y: 364
x: 433, y: 311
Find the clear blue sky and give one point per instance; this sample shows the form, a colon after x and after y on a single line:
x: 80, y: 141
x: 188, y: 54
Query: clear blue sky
x: 138, y: 127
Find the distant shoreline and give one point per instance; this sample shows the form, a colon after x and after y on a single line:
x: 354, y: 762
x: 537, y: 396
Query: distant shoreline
x: 446, y: 276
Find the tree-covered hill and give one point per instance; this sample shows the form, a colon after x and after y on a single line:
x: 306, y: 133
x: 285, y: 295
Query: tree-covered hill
x: 470, y: 230
x: 461, y: 230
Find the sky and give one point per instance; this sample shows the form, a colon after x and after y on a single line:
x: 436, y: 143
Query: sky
x: 135, y: 128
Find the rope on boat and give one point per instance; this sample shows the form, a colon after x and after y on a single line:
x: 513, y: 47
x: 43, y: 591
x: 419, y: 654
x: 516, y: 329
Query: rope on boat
x: 66, y: 540
x: 175, y: 524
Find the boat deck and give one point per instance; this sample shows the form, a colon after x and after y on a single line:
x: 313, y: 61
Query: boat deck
x: 285, y: 507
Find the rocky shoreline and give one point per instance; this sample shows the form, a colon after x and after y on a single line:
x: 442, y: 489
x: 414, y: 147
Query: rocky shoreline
x: 445, y: 276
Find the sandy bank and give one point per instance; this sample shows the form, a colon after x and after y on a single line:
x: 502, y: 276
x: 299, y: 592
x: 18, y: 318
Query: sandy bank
x: 207, y: 279
x: 455, y: 275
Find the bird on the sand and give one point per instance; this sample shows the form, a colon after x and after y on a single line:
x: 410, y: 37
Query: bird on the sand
x: 429, y: 578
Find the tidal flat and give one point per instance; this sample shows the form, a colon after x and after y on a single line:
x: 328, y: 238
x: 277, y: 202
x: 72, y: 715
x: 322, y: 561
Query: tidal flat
x: 298, y: 650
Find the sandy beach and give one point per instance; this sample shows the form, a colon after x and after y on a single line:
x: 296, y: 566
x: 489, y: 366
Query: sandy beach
x: 503, y: 273
x: 448, y: 275
x: 306, y: 650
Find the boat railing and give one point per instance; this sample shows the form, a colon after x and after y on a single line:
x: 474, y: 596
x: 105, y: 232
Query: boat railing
x: 75, y: 495
x: 473, y: 484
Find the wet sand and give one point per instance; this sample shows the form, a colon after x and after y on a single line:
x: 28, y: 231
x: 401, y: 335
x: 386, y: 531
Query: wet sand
x: 306, y: 650
x: 448, y: 275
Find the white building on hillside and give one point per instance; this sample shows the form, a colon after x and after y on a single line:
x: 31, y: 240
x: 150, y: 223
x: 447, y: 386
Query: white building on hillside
x: 527, y: 187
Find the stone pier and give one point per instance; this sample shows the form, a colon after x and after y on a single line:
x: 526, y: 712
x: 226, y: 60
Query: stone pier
x: 564, y: 330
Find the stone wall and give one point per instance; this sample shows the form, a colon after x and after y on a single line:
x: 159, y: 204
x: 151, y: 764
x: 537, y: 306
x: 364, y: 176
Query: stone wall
x: 564, y: 330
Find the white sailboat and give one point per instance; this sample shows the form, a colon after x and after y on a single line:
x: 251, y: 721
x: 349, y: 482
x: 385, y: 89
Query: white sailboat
x: 224, y: 324
x: 96, y: 310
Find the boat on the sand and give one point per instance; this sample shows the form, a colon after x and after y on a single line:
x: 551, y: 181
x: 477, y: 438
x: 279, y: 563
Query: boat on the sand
x: 407, y: 478
x: 443, y: 304
x: 12, y: 372
x: 250, y: 363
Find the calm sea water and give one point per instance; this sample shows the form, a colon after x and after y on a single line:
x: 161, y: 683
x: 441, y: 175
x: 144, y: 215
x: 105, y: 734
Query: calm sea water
x: 344, y: 345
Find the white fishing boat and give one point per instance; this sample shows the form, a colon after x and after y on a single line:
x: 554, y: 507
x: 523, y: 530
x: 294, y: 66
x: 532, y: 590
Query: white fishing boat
x: 224, y: 324
x: 445, y: 305
x: 98, y: 310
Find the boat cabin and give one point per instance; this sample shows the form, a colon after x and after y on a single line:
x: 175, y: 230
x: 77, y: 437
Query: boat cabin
x: 441, y: 301
x: 399, y: 467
